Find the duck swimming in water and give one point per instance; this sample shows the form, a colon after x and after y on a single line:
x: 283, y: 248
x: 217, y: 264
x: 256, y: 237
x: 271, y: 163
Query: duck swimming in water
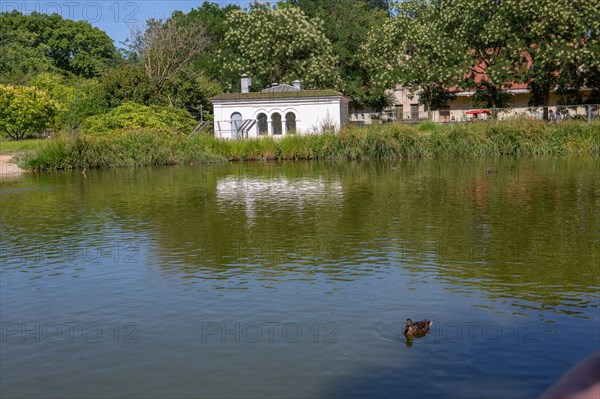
x: 418, y: 328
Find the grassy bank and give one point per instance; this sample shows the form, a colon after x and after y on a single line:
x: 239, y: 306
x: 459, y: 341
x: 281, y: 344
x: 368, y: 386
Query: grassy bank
x: 514, y: 138
x: 14, y: 147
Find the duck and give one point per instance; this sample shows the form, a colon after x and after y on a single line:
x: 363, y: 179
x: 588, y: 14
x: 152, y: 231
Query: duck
x: 491, y: 171
x: 418, y: 328
x: 84, y: 171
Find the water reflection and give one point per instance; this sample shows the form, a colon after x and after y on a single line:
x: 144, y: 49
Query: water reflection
x: 358, y: 246
x: 274, y: 193
x: 526, y: 237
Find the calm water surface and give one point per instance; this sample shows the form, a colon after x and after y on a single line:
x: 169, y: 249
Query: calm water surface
x: 294, y: 279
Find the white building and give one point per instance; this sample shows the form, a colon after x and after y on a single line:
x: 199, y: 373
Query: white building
x: 277, y: 111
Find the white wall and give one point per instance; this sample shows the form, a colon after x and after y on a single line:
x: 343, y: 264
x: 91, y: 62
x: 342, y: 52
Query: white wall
x: 311, y: 114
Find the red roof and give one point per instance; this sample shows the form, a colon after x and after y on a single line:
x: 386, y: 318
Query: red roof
x: 478, y: 75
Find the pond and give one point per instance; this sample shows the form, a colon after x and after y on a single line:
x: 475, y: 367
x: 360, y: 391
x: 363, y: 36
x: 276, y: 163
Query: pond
x: 295, y: 279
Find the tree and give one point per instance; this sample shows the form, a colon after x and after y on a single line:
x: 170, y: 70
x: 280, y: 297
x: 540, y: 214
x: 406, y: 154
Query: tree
x: 556, y: 43
x: 21, y: 57
x: 413, y: 49
x: 213, y: 17
x: 164, y: 75
x: 77, y: 97
x: 490, y: 48
x: 168, y: 48
x: 37, y: 41
x: 127, y: 83
x: 25, y: 110
x: 278, y: 45
x: 346, y: 23
x: 192, y: 91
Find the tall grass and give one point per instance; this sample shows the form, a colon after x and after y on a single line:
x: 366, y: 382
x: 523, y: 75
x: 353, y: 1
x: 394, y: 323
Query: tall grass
x: 11, y: 147
x: 490, y: 139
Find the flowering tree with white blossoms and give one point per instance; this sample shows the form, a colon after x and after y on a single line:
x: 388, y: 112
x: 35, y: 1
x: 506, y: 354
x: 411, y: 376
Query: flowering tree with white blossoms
x: 487, y: 45
x: 412, y: 48
x: 546, y: 44
x: 279, y: 45
x: 557, y: 42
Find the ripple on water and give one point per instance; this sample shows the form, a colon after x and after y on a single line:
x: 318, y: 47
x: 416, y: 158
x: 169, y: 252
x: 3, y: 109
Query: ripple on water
x: 342, y: 252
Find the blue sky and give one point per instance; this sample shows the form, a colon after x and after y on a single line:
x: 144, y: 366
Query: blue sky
x: 115, y: 17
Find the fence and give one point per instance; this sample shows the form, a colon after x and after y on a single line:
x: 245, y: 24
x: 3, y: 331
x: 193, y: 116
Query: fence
x: 557, y: 113
x: 554, y: 113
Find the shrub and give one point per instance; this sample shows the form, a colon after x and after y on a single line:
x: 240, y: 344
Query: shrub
x: 25, y: 111
x: 132, y: 116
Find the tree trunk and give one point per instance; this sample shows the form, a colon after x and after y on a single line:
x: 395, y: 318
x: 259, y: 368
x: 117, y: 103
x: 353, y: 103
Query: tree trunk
x: 428, y: 100
x: 545, y: 103
x: 492, y: 103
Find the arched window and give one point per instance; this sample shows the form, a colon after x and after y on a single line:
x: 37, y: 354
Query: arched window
x: 276, y: 121
x: 290, y: 123
x: 236, y: 123
x: 262, y: 124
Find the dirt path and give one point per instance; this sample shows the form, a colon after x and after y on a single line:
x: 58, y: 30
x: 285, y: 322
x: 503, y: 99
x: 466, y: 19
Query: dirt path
x: 7, y: 167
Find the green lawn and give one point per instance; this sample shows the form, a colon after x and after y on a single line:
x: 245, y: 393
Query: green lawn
x: 11, y: 147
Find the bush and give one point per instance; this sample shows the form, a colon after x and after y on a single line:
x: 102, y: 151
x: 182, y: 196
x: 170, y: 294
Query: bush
x: 132, y: 116
x: 77, y: 97
x: 25, y: 111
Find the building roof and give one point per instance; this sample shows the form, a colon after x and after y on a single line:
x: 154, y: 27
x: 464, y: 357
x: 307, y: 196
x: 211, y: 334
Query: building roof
x: 276, y: 88
x: 276, y: 95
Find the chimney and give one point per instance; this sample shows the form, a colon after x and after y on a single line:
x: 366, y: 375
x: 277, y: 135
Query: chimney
x: 246, y: 83
x: 298, y: 85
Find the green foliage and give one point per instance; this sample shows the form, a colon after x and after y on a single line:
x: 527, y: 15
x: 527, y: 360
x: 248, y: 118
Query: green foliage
x: 414, y: 49
x: 12, y: 147
x: 39, y: 42
x: 545, y: 44
x: 192, y: 91
x: 25, y: 111
x: 279, y: 45
x: 490, y: 96
x: 381, y: 99
x: 173, y: 62
x: 346, y: 23
x: 132, y: 116
x: 360, y: 47
x: 168, y: 48
x: 483, y: 140
x: 135, y: 148
x: 22, y: 56
x: 559, y: 41
x: 428, y: 126
x: 129, y: 83
x: 77, y: 97
x: 126, y: 83
x: 57, y: 85
x: 487, y: 46
x: 85, y: 103
x: 213, y: 17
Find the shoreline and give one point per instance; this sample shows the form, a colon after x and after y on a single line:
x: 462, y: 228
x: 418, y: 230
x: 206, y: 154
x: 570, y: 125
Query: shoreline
x: 150, y: 148
x: 8, y: 168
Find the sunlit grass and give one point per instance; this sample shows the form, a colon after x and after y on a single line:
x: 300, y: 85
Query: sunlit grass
x: 489, y: 139
x: 11, y: 147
